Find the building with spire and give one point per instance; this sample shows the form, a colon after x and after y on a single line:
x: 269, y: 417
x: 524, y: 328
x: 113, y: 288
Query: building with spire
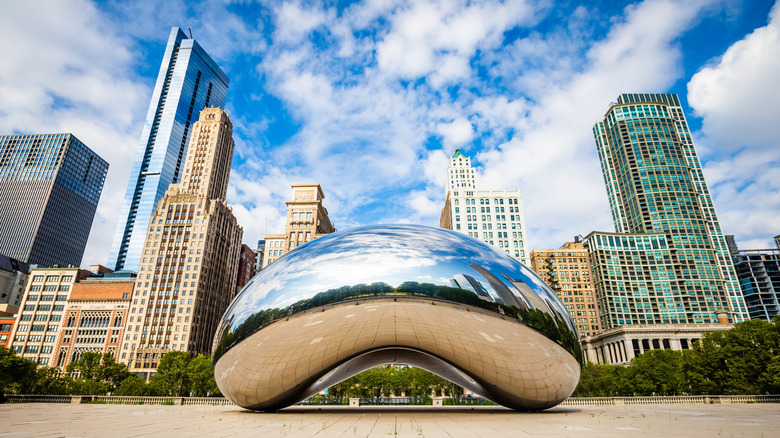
x: 190, y: 257
x: 493, y: 216
x: 307, y: 219
x: 668, y: 262
x: 188, y: 81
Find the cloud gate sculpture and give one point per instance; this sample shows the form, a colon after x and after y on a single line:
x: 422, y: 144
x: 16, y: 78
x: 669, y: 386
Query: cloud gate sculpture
x: 432, y: 298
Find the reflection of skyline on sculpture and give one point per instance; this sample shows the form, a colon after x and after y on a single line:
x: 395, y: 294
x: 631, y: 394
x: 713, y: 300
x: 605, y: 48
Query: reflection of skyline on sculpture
x: 383, y: 257
x: 421, y: 296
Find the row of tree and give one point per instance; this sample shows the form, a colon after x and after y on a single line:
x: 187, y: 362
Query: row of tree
x: 178, y: 375
x: 389, y: 381
x: 743, y: 360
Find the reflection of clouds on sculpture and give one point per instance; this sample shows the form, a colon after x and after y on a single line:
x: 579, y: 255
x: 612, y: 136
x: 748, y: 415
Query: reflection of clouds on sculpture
x: 389, y: 254
x: 440, y: 276
x: 394, y: 254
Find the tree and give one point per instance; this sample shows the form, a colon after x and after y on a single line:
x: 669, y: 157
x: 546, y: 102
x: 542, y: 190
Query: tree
x: 132, y: 386
x: 658, y: 372
x: 172, y: 378
x: 94, y: 373
x: 50, y: 381
x: 16, y: 374
x: 201, y: 377
x: 735, y: 361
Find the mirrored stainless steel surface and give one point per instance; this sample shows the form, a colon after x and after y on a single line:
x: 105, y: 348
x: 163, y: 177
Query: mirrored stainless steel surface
x: 422, y: 296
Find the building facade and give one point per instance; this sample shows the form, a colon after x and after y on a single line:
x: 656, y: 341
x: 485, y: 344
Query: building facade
x: 188, y: 81
x: 13, y: 280
x: 307, y: 219
x: 190, y: 258
x: 493, y: 216
x: 50, y: 185
x: 259, y: 255
x: 246, y: 267
x: 619, y: 345
x: 95, y: 315
x: 567, y: 271
x: 41, y: 314
x: 668, y: 261
x: 7, y: 323
x: 758, y: 271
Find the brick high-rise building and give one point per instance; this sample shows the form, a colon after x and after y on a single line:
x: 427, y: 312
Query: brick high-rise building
x: 493, y: 216
x: 567, y: 271
x: 188, y: 81
x: 307, y: 219
x: 50, y: 185
x: 189, y: 261
x: 668, y: 263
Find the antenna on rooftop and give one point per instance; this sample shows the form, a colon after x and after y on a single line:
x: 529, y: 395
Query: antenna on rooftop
x: 190, y: 29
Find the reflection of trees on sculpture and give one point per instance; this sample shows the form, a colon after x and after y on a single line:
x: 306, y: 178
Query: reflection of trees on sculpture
x: 534, y: 318
x: 545, y: 324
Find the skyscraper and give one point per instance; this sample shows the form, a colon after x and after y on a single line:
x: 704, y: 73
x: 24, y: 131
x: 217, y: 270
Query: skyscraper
x: 758, y: 271
x: 50, y: 185
x: 668, y: 261
x: 188, y: 81
x: 493, y: 216
x: 189, y: 261
x: 307, y: 219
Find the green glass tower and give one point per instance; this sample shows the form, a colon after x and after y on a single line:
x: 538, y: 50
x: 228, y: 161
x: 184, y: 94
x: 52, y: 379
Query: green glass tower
x: 657, y: 193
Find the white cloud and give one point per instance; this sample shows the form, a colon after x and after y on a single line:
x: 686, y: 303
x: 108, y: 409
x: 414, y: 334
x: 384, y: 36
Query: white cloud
x: 738, y: 99
x: 72, y: 75
x: 552, y: 158
x: 455, y: 133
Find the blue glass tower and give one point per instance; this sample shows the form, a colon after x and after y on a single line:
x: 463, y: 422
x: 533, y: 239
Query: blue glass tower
x: 49, y: 189
x: 188, y: 81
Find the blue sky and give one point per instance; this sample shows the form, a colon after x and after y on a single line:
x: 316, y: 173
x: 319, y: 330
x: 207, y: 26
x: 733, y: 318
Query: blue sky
x: 370, y: 98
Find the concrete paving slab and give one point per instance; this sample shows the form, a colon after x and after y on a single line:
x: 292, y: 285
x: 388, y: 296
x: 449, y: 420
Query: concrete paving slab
x: 93, y: 420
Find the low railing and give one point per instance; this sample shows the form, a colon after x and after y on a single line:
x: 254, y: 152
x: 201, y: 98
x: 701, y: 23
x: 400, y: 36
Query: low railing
x: 394, y: 401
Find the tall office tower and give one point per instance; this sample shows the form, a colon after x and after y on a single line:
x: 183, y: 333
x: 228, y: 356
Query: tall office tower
x: 41, y: 313
x: 49, y: 189
x: 494, y: 216
x: 188, y: 81
x: 95, y: 315
x: 307, y: 219
x: 669, y: 261
x: 567, y: 271
x: 189, y: 261
x: 758, y: 271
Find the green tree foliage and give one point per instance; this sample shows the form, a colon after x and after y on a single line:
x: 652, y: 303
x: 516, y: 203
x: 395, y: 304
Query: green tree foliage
x: 17, y: 375
x: 743, y: 360
x: 95, y: 374
x: 181, y: 375
x: 389, y: 381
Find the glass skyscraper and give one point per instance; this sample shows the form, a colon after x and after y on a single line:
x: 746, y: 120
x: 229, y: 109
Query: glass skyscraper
x: 188, y: 81
x: 668, y: 261
x: 50, y: 185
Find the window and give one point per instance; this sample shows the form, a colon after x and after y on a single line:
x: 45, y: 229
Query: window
x: 37, y: 278
x: 52, y: 278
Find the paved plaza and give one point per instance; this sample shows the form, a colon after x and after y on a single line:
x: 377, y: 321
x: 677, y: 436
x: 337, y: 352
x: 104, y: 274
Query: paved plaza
x: 85, y: 420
